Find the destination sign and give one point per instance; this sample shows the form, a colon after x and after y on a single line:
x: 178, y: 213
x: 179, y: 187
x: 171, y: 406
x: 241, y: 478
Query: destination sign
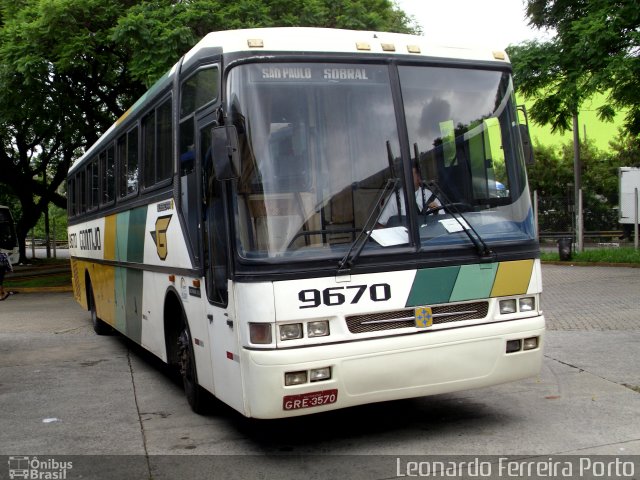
x: 320, y: 73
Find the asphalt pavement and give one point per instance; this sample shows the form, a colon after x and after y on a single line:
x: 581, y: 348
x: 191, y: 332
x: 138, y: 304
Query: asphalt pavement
x: 116, y: 411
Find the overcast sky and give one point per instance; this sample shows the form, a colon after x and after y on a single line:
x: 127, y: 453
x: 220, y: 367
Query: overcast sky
x: 488, y: 23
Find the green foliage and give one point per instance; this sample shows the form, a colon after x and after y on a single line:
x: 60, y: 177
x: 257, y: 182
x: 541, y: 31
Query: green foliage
x: 156, y: 33
x: 552, y: 177
x: 599, y: 255
x: 551, y: 173
x: 595, y: 49
x: 39, y: 281
x: 541, y: 73
x: 626, y: 149
x: 57, y: 222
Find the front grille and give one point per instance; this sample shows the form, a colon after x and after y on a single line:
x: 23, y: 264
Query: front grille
x: 449, y: 313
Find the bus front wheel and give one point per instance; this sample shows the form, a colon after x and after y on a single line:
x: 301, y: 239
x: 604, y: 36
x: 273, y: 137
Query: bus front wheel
x: 196, y: 395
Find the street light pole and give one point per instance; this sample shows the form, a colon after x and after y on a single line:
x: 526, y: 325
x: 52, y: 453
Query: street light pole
x: 577, y: 174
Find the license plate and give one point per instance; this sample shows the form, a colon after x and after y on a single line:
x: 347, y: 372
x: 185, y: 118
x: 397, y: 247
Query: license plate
x: 311, y: 399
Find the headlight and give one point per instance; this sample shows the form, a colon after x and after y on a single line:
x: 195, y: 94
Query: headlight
x: 527, y: 304
x: 508, y: 306
x: 318, y: 329
x: 291, y: 331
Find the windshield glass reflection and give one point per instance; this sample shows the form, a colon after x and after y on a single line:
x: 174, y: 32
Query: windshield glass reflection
x: 319, y: 148
x: 465, y: 142
x: 318, y: 144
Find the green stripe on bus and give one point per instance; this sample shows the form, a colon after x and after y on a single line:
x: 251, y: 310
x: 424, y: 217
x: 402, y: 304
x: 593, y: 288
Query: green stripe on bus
x: 470, y: 282
x: 432, y: 285
x: 121, y: 295
x: 122, y: 236
x: 474, y: 281
x: 133, y: 328
x: 130, y: 231
x: 137, y: 227
x: 128, y: 293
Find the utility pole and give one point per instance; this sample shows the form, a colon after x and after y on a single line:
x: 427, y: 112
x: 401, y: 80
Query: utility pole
x: 577, y: 175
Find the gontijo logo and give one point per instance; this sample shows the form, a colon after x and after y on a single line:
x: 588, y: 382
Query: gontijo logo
x: 34, y: 468
x: 159, y: 236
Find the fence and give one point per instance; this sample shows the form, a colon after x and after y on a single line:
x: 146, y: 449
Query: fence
x: 556, y: 219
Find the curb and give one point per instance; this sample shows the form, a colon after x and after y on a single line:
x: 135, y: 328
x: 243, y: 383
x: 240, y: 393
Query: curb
x: 570, y: 263
x: 67, y: 288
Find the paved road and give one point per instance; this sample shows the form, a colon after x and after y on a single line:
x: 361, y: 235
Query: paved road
x: 65, y: 391
x: 591, y: 298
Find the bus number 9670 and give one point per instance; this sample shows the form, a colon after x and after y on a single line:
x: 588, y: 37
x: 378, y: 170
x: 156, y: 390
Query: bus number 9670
x: 333, y: 296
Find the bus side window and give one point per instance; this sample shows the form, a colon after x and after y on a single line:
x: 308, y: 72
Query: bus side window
x: 197, y: 91
x: 94, y: 184
x: 108, y: 175
x: 157, y: 145
x: 71, y: 196
x: 128, y: 162
x: 188, y: 183
x: 81, y: 205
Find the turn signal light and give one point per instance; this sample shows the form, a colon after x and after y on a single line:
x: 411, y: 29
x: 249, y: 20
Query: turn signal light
x: 260, y: 333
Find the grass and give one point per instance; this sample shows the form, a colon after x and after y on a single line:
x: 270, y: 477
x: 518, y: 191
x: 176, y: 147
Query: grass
x: 40, y: 273
x: 599, y: 255
x: 39, y: 281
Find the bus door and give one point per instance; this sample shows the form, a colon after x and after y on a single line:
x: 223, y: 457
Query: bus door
x: 222, y: 325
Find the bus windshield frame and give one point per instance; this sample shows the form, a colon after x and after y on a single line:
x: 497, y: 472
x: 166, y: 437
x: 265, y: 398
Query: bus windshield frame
x: 320, y: 141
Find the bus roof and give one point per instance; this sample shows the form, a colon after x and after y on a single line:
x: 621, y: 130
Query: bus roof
x: 307, y: 39
x: 331, y: 40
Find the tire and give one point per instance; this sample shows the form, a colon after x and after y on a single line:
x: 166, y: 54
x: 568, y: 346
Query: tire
x: 196, y: 395
x: 100, y: 327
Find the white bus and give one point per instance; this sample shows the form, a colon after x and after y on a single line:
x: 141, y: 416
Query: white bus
x: 235, y: 222
x: 8, y: 238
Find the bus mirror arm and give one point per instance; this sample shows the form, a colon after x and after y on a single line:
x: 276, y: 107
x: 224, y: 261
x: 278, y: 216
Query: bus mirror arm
x: 225, y: 152
x: 529, y: 158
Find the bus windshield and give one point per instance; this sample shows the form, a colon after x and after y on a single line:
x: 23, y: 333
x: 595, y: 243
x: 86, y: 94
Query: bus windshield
x: 320, y: 143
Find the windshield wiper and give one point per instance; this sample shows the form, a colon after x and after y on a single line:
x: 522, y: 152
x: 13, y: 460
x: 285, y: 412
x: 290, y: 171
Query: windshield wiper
x: 484, y: 252
x: 364, y: 234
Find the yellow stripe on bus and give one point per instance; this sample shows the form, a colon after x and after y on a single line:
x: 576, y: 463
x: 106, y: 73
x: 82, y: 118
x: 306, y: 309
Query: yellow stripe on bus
x: 110, y: 237
x: 512, y: 278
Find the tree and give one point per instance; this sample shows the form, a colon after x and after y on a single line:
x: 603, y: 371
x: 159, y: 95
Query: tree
x: 552, y: 177
x: 596, y: 48
x: 56, y: 67
x: 626, y: 149
x: 157, y: 33
x: 70, y: 68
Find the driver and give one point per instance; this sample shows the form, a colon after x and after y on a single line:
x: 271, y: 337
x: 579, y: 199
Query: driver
x: 425, y: 200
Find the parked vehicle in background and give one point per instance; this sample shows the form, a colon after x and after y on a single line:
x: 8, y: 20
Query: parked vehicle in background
x: 8, y: 237
x: 629, y: 210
